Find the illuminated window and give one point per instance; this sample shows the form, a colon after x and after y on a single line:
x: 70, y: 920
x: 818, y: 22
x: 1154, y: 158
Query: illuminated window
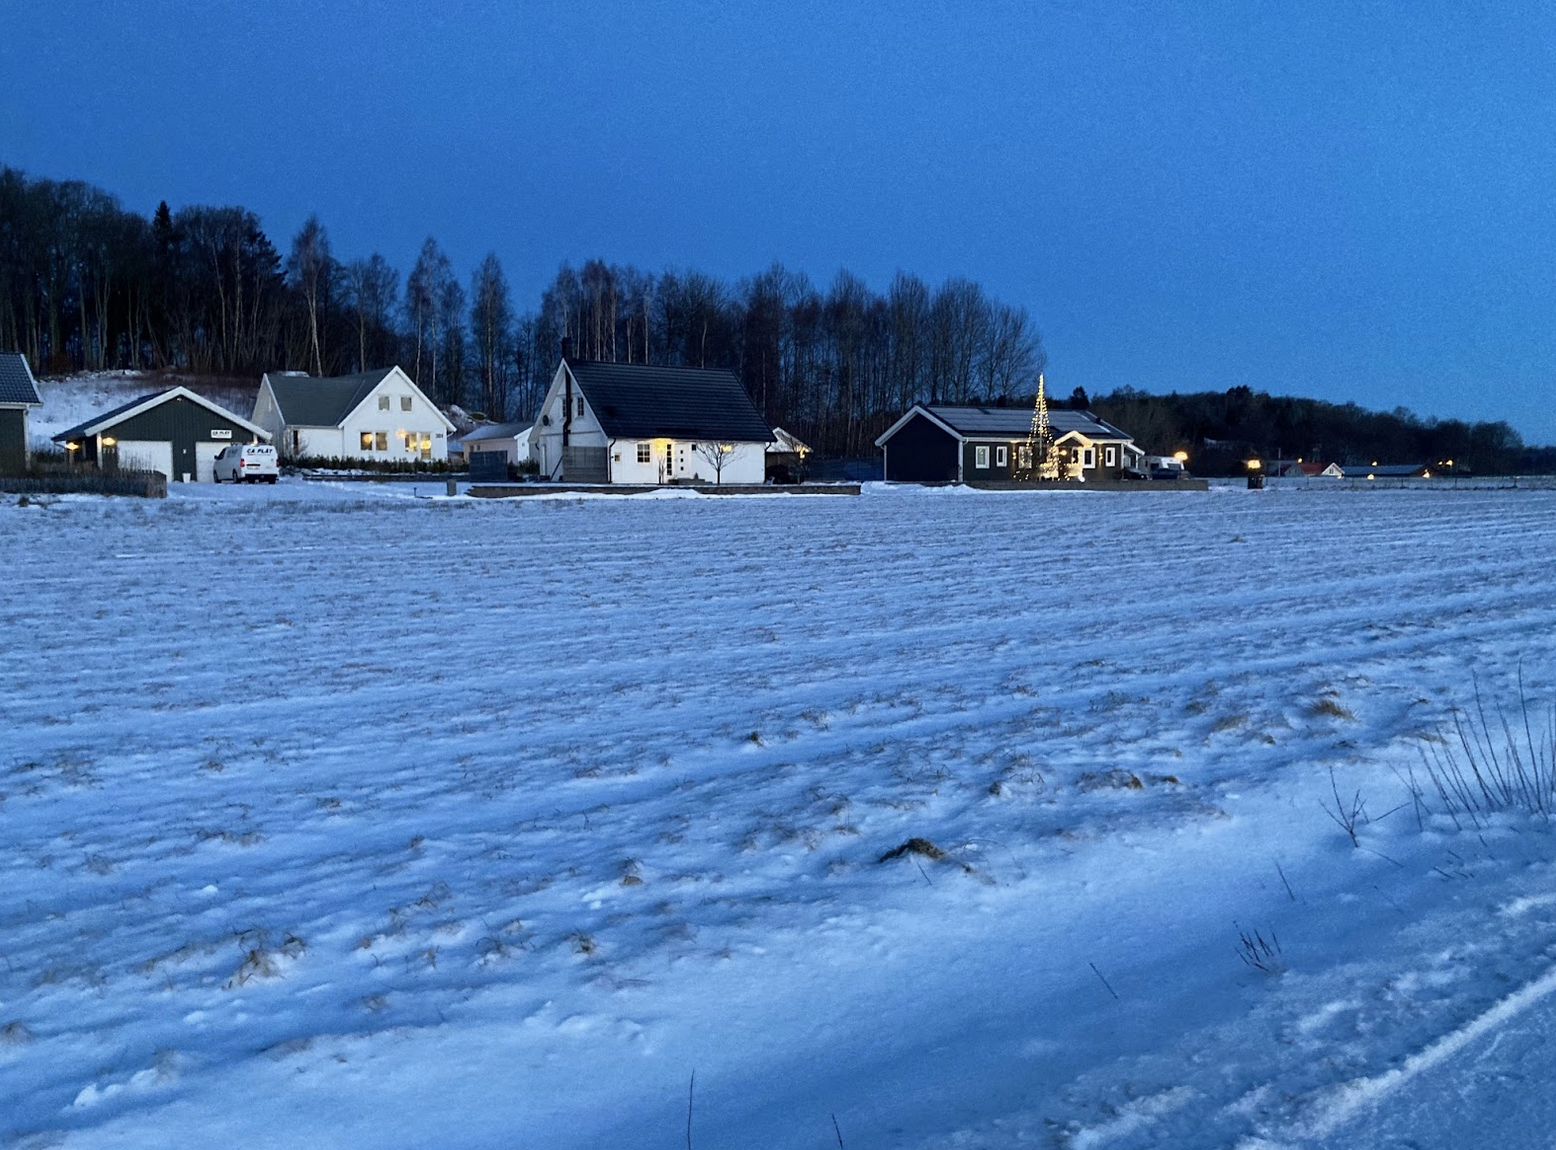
x: 383, y: 403
x: 1024, y: 456
x: 645, y: 453
x: 1001, y: 456
x: 405, y: 403
x: 381, y: 440
x: 367, y: 441
x: 981, y: 457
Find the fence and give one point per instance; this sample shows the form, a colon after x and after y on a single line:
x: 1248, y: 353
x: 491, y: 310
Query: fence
x: 147, y: 484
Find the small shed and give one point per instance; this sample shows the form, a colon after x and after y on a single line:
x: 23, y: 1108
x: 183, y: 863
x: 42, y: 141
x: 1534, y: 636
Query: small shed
x: 18, y: 395
x: 175, y: 432
x: 786, y: 456
x: 510, y: 440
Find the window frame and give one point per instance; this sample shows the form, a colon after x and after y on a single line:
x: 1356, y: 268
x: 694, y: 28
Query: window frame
x: 645, y: 453
x: 383, y: 403
x: 1002, y: 456
x: 365, y: 441
x: 380, y: 441
x: 405, y: 403
x: 981, y: 457
x: 1110, y: 456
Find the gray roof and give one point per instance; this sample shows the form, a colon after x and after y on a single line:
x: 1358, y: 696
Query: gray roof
x: 16, y: 382
x: 634, y: 401
x: 495, y: 431
x: 1016, y: 422
x: 317, y: 401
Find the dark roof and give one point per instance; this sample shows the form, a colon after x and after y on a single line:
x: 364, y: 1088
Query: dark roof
x: 16, y: 382
x: 1391, y: 470
x: 109, y: 416
x: 103, y: 420
x: 1016, y: 422
x: 633, y: 401
x: 317, y: 401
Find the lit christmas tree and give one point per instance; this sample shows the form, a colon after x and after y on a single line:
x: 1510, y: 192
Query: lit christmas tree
x: 1041, y: 457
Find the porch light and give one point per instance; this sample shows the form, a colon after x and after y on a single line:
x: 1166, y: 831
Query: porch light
x: 109, y: 441
x: 72, y: 447
x: 1255, y: 464
x: 1181, y: 456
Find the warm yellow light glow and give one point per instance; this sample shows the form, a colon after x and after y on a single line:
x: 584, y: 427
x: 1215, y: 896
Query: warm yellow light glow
x: 1425, y: 474
x: 72, y: 447
x: 109, y: 441
x: 1374, y: 463
x: 1255, y: 464
x: 1372, y: 477
x: 1181, y: 456
x: 1447, y: 463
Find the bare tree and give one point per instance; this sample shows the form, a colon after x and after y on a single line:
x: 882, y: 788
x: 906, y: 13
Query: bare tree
x: 310, y: 268
x: 717, y: 456
x: 491, y: 320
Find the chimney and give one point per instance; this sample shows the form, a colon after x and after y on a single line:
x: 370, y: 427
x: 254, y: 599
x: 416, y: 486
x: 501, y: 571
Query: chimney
x: 567, y: 347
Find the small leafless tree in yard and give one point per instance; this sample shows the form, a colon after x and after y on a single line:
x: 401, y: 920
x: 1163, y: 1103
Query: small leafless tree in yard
x: 716, y: 456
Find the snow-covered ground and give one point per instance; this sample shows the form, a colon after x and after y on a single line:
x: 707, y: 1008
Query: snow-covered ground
x: 336, y: 815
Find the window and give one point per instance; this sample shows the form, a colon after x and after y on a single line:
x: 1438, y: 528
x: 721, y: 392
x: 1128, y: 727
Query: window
x: 645, y: 453
x: 381, y: 440
x: 1089, y: 458
x: 1110, y: 455
x: 1001, y: 456
x: 405, y: 403
x: 383, y: 403
x: 981, y: 457
x: 367, y: 441
x: 579, y: 412
x: 1024, y: 456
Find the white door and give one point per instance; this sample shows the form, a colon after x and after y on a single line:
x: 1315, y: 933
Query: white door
x: 205, y: 461
x: 146, y: 455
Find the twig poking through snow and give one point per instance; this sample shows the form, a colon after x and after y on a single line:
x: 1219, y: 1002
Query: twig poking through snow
x: 1105, y: 982
x: 690, y: 1087
x: 839, y: 1132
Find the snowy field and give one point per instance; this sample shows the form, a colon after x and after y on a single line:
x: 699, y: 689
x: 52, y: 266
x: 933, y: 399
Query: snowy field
x: 338, y: 816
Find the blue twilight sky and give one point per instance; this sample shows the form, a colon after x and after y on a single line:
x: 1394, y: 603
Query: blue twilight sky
x: 1347, y: 199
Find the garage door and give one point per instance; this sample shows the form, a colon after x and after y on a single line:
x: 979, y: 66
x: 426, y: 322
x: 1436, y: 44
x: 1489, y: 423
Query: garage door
x: 205, y: 459
x: 146, y: 455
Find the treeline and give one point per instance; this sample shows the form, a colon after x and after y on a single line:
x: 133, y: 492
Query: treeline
x: 87, y: 285
x: 1221, y: 430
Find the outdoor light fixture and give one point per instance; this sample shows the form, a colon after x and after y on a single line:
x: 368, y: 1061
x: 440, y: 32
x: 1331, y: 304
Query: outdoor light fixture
x: 1255, y: 464
x: 109, y: 441
x: 1181, y: 456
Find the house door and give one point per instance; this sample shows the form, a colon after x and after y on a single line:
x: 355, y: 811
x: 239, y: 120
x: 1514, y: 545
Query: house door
x: 670, y: 461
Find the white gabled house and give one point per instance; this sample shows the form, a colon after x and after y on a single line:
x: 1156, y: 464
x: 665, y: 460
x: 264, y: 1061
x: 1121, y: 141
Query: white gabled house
x: 631, y: 423
x: 372, y: 415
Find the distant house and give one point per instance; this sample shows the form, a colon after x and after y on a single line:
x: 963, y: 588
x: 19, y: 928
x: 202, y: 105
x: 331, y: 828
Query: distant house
x: 511, y: 440
x: 175, y: 432
x: 18, y: 395
x: 1392, y: 471
x: 935, y: 443
x: 631, y: 423
x: 1305, y: 469
x: 372, y: 415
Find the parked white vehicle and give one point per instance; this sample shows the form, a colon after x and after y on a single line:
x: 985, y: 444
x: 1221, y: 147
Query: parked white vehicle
x: 246, y: 462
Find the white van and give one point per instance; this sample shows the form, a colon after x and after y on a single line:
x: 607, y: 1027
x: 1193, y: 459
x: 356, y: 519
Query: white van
x: 246, y: 462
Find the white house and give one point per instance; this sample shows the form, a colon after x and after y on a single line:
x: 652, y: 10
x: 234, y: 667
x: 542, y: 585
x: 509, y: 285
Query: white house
x: 631, y: 423
x: 18, y: 394
x: 375, y: 415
